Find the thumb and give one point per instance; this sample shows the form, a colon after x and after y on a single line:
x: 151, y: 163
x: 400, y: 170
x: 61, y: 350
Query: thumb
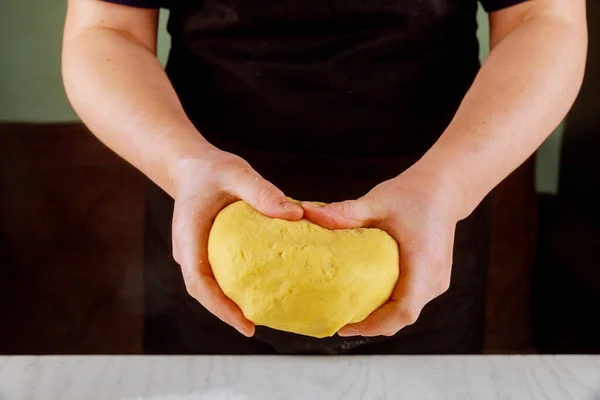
x: 341, y: 215
x: 263, y: 196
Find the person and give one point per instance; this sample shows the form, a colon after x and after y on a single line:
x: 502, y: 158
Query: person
x: 380, y: 109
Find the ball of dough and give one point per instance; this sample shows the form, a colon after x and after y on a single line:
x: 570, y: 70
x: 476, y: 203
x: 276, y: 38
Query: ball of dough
x: 298, y: 277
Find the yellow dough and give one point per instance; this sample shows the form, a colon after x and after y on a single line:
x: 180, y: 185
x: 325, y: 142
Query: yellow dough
x: 297, y: 276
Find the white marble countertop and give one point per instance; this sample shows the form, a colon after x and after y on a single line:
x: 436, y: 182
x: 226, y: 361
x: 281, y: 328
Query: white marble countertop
x: 294, y: 378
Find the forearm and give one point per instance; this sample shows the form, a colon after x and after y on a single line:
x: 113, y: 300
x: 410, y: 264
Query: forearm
x: 523, y: 91
x: 120, y: 91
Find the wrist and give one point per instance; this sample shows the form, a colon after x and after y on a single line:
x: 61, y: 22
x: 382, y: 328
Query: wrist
x: 187, y: 144
x: 440, y: 183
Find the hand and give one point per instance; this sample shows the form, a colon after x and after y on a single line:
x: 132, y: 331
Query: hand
x: 419, y: 209
x: 203, y: 187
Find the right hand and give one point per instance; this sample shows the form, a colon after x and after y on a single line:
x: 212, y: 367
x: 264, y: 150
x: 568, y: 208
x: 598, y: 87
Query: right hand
x: 203, y: 187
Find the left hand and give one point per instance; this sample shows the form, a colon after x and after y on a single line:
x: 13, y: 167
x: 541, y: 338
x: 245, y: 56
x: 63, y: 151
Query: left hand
x: 419, y: 208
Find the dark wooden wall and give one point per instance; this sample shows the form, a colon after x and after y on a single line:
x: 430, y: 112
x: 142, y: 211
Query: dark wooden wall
x: 70, y: 243
x: 71, y: 248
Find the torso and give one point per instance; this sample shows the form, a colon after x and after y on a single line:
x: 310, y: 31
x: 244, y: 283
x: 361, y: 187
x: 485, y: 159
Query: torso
x: 362, y: 77
x: 326, y: 99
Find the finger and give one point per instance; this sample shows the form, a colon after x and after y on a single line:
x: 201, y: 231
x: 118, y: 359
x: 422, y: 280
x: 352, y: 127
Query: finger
x: 192, y: 221
x: 391, y: 317
x: 412, y: 292
x: 207, y: 291
x: 262, y: 195
x: 342, y: 215
x: 193, y: 218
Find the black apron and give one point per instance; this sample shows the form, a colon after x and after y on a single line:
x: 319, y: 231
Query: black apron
x: 325, y: 99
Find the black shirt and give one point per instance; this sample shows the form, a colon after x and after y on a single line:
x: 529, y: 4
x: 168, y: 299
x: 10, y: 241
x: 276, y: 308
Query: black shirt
x: 488, y: 5
x: 357, y: 90
x: 352, y: 77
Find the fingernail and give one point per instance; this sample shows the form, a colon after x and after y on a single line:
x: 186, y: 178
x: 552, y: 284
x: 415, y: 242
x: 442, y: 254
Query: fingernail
x: 286, y: 205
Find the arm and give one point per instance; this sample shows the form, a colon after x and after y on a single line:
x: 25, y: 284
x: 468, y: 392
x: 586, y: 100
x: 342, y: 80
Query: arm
x: 523, y: 91
x: 121, y: 92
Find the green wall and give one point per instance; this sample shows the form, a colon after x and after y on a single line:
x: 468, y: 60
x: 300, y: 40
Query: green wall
x: 30, y: 40
x: 31, y: 88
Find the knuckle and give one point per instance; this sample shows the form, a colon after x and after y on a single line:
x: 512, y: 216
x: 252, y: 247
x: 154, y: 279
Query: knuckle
x: 196, y: 289
x: 175, y: 251
x: 447, y: 263
x: 444, y: 275
x: 345, y: 209
x: 444, y: 285
x: 390, y: 332
x: 229, y: 160
x: 265, y: 192
x: 192, y: 288
x: 245, y: 170
x: 409, y: 315
x: 230, y: 170
x: 348, y: 210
